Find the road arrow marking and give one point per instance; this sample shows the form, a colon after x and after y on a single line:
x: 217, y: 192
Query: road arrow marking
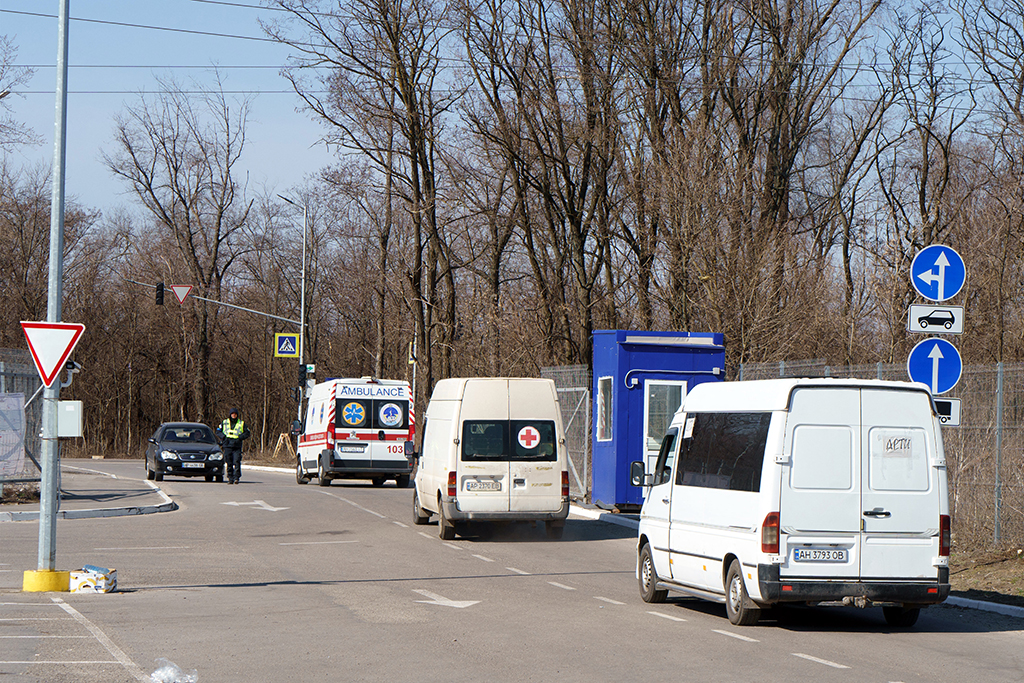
x: 436, y: 599
x: 936, y: 355
x: 257, y: 503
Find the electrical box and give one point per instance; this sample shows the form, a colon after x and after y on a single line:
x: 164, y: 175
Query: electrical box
x: 69, y: 418
x: 640, y: 379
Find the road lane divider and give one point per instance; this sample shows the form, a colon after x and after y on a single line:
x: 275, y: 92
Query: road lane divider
x: 737, y: 636
x: 667, y: 616
x: 809, y: 658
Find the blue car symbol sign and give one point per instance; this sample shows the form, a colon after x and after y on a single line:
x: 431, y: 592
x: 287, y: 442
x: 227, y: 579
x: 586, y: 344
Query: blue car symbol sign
x: 390, y: 415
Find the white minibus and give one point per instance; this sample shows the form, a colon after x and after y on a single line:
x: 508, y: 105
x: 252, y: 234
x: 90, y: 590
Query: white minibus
x: 815, y: 491
x: 493, y: 450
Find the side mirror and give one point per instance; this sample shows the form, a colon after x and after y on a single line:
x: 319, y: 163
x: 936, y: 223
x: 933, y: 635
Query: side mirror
x: 410, y: 450
x: 636, y: 473
x: 296, y: 428
x: 152, y: 440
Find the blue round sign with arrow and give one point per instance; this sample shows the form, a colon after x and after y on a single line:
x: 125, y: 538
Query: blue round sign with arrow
x: 937, y: 363
x: 938, y: 273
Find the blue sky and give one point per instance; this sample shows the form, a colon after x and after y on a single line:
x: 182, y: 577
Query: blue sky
x: 111, y: 63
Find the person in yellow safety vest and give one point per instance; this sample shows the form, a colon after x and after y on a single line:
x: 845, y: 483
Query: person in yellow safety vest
x: 230, y: 435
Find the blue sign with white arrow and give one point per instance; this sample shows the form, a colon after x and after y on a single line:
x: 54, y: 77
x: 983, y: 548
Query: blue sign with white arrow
x: 938, y: 273
x: 937, y: 363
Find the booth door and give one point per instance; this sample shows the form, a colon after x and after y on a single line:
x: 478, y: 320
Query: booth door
x: 662, y: 398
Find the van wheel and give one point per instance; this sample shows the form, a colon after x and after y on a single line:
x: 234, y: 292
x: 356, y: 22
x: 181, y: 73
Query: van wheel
x: 901, y: 617
x: 554, y: 529
x: 419, y: 515
x: 378, y: 481
x: 321, y: 475
x: 738, y: 605
x: 300, y: 474
x: 445, y: 528
x: 402, y: 481
x: 649, y: 577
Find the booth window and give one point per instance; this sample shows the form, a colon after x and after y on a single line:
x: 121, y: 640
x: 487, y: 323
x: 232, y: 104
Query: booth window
x: 604, y: 409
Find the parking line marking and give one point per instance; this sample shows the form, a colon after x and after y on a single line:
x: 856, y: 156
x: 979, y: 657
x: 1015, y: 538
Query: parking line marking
x: 562, y: 586
x: 666, y: 616
x: 819, y: 661
x: 401, y: 525
x: 452, y: 545
x: 608, y: 600
x: 485, y: 559
x: 517, y: 571
x: 113, y: 649
x: 736, y: 636
x: 317, y: 542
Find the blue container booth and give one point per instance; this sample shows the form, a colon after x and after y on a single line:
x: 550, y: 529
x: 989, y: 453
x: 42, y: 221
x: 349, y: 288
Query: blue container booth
x: 640, y: 379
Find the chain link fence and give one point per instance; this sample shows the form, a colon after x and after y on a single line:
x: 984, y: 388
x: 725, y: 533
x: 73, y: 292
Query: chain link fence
x: 572, y: 382
x: 984, y: 455
x: 20, y: 424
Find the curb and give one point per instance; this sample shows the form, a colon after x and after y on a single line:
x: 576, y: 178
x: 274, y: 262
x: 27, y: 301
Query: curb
x: 30, y: 515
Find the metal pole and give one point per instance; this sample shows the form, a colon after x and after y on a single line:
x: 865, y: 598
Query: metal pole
x: 49, y: 453
x: 999, y: 452
x: 302, y: 310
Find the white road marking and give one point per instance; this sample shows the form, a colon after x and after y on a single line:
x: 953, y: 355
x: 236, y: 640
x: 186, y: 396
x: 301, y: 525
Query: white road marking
x: 561, y: 585
x: 819, y: 661
x: 485, y: 559
x: 426, y: 535
x: 354, y: 504
x: 666, y: 616
x: 45, y: 636
x: 517, y: 571
x: 317, y: 542
x: 257, y: 503
x: 736, y: 636
x: 114, y: 650
x: 435, y: 599
x: 401, y: 525
x: 88, y: 661
x: 37, y: 618
x: 158, y: 547
x: 452, y: 545
x: 608, y: 600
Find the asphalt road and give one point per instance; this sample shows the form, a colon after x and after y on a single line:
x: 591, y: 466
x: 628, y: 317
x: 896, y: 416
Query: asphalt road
x: 271, y: 581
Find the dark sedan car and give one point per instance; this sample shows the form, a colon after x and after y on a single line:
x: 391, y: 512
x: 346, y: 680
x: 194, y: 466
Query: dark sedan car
x: 184, y: 449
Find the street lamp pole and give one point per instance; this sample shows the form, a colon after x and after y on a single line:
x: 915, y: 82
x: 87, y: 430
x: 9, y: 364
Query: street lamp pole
x: 302, y: 299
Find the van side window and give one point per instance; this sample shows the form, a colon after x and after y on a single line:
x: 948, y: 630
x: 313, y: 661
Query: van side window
x: 663, y: 468
x: 726, y: 451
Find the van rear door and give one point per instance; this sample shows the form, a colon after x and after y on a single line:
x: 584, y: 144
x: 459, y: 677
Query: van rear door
x: 859, y: 496
x: 483, y: 466
x: 536, y: 456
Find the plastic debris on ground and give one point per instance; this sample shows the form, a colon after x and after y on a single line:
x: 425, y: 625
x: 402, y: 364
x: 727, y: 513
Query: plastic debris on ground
x: 168, y: 672
x: 93, y: 579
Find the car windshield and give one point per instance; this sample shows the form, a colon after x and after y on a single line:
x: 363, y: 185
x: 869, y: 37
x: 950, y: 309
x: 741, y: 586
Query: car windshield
x: 201, y: 434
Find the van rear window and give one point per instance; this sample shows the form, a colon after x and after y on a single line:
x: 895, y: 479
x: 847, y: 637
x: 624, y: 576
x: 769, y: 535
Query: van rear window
x: 726, y: 451
x: 506, y: 440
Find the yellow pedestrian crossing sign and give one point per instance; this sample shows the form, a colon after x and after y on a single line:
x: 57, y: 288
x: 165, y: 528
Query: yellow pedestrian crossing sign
x: 286, y: 345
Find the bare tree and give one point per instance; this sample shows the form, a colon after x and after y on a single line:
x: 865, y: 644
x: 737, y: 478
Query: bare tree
x: 12, y: 132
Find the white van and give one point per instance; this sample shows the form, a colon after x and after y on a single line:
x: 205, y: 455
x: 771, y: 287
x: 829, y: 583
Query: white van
x: 493, y: 450
x: 800, y: 491
x: 359, y: 428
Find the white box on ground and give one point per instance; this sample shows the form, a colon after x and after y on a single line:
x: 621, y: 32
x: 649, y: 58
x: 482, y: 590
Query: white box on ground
x: 90, y: 579
x: 69, y: 418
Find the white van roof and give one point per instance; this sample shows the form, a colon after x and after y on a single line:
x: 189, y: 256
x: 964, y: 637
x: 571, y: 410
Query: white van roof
x: 773, y: 394
x: 453, y: 389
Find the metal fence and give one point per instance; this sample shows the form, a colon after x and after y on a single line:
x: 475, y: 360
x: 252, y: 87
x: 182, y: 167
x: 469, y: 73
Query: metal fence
x: 984, y: 455
x: 573, y: 385
x: 18, y: 378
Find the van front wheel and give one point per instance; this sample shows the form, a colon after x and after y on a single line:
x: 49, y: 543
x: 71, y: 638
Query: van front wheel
x: 738, y: 605
x: 649, y: 577
x: 419, y: 515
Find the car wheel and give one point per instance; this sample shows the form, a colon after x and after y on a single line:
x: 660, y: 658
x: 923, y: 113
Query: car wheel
x: 321, y: 474
x: 554, y: 530
x: 150, y: 474
x: 901, y: 617
x: 220, y: 478
x: 378, y: 481
x: 419, y: 515
x: 300, y: 474
x: 209, y: 477
x: 445, y: 528
x: 402, y: 481
x: 738, y: 605
x: 649, y: 590
x: 924, y: 324
x: 159, y: 476
x: 948, y: 324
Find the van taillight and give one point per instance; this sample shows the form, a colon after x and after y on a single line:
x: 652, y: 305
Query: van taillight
x: 945, y: 533
x: 452, y: 485
x: 770, y: 533
x: 565, y: 484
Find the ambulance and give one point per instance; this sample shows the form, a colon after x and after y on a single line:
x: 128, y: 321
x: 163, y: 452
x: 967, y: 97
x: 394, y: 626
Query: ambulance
x: 357, y: 429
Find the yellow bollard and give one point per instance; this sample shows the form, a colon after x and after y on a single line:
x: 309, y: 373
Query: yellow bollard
x: 44, y: 580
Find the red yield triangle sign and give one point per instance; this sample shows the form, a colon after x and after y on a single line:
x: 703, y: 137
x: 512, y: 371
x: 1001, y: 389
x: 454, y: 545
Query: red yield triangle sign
x: 181, y: 292
x: 51, y: 344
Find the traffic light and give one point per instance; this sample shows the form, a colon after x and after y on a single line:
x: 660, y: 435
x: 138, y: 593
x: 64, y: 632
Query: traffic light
x: 159, y: 294
x: 302, y: 376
